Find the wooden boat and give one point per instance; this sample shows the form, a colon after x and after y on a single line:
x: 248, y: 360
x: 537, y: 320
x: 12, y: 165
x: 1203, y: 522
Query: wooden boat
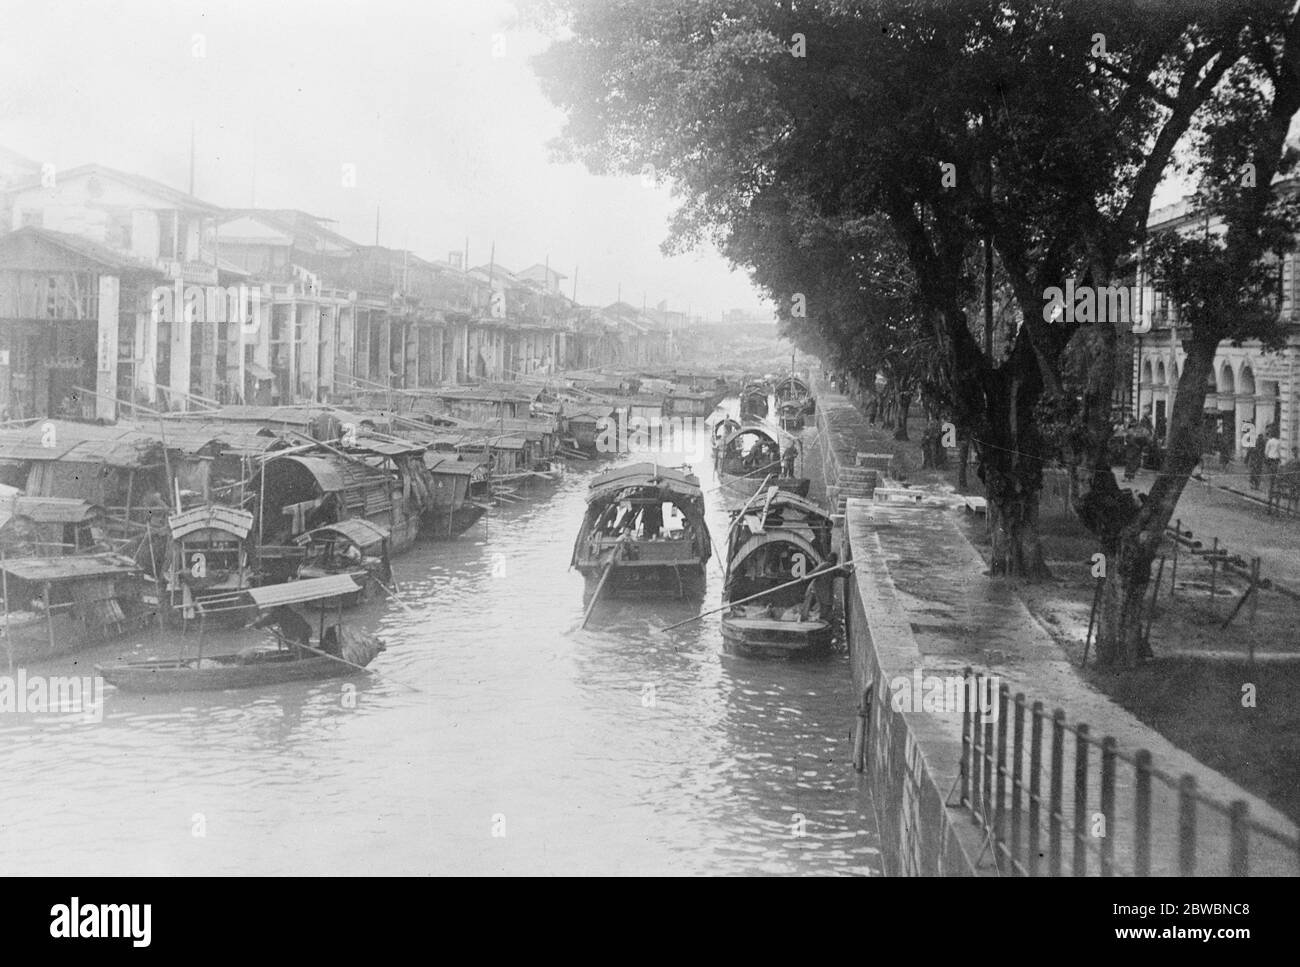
x: 298, y: 492
x: 266, y: 664
x: 690, y: 402
x: 207, y: 555
x: 778, y: 539
x: 720, y: 433
x: 644, y: 533
x: 745, y: 460
x: 790, y: 415
x: 461, y: 494
x: 753, y: 402
x: 791, y: 388
x: 354, y: 547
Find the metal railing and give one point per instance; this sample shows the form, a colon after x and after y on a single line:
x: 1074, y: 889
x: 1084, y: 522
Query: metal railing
x: 1049, y: 810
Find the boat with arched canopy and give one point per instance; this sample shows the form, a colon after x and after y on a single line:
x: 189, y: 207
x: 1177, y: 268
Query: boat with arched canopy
x: 644, y: 532
x: 778, y: 556
x: 750, y: 457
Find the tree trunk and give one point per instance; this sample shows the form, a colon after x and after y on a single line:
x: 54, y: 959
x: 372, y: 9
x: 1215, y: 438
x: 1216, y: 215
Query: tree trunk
x: 904, y: 404
x: 1132, y: 530
x: 1120, y: 635
x: 1013, y: 529
x: 963, y: 463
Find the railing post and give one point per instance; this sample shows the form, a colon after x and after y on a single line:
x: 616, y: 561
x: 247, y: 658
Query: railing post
x: 1000, y: 813
x: 1081, y: 800
x: 1035, y: 786
x: 1239, y: 857
x: 989, y: 751
x: 1057, y: 779
x: 1108, y: 806
x: 966, y: 740
x: 1187, y: 825
x: 1142, y: 815
x: 1017, y: 781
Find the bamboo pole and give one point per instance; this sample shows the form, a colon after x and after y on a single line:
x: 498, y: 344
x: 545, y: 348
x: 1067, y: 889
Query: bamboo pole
x: 762, y: 594
x: 618, y: 552
x: 4, y: 587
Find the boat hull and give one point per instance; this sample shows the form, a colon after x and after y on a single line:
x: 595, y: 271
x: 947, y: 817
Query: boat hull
x: 441, y: 524
x: 222, y: 672
x: 656, y: 580
x: 770, y: 638
x: 736, y: 490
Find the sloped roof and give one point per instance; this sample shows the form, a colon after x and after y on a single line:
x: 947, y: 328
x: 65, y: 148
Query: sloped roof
x: 649, y: 475
x: 69, y: 567
x: 49, y: 510
x: 14, y: 245
x: 175, y: 196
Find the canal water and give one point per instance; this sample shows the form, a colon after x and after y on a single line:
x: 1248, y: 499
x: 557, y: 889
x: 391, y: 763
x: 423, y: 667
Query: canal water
x: 494, y: 738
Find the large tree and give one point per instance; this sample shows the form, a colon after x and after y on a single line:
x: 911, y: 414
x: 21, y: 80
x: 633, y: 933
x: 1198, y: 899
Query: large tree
x: 1043, y: 128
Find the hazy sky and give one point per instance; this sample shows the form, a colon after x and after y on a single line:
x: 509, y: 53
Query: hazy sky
x: 447, y: 139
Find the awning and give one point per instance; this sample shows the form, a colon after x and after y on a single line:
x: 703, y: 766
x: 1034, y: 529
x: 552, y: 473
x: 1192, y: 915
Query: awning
x: 258, y: 371
x: 211, y: 517
x: 70, y: 567
x: 297, y: 592
x: 356, y: 529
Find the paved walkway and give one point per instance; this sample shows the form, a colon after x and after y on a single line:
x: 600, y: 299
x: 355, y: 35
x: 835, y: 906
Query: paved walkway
x: 922, y: 580
x: 1210, y: 509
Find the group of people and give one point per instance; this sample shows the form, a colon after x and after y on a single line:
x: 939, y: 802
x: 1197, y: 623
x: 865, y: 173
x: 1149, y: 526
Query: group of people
x: 1263, y: 458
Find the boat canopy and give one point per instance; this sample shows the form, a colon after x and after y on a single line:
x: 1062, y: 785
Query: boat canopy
x: 678, y: 482
x: 49, y: 510
x: 762, y: 433
x: 76, y: 567
x: 754, y: 542
x: 792, y: 385
x: 211, y: 517
x: 300, y: 592
x: 358, y: 530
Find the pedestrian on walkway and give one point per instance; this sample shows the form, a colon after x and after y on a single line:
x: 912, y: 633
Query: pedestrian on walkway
x: 1255, y: 460
x: 1132, y: 449
x: 1223, y: 444
x: 1272, y: 456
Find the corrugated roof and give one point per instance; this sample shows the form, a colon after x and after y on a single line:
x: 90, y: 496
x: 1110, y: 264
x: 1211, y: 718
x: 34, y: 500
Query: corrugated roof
x: 297, y: 592
x: 450, y: 463
x: 75, y: 245
x: 116, y: 446
x: 360, y: 531
x: 211, y: 516
x: 647, y: 474
x: 323, y: 469
x: 50, y: 510
x: 68, y: 568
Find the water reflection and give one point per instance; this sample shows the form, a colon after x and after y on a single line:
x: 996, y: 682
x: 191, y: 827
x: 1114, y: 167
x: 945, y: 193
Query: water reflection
x: 614, y: 749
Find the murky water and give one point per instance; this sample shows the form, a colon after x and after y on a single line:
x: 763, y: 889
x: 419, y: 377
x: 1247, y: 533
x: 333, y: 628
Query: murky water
x: 493, y: 739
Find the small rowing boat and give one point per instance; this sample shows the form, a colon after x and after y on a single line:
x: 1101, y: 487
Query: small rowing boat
x: 297, y: 655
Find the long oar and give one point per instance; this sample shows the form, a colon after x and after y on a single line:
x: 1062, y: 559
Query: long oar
x: 762, y: 594
x: 392, y: 592
x: 326, y: 654
x: 618, y: 552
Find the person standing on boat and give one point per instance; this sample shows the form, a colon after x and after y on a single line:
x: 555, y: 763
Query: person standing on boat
x: 291, y: 626
x: 788, y: 458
